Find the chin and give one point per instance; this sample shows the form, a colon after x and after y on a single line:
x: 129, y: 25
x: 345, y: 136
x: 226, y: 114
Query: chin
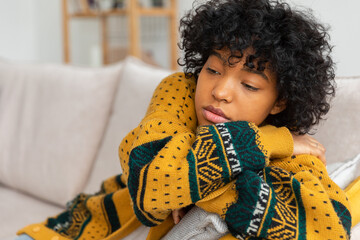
x: 204, y: 123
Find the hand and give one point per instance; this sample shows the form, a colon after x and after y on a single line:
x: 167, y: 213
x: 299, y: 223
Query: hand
x: 178, y: 214
x: 304, y: 144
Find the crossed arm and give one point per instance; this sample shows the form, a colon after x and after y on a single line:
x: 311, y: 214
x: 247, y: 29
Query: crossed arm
x: 303, y: 144
x: 169, y: 163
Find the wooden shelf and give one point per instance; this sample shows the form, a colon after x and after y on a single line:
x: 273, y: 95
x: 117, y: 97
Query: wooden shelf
x: 117, y: 12
x: 122, y: 12
x: 155, y: 12
x: 133, y: 11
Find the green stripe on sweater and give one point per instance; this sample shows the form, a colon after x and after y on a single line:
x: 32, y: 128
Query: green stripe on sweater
x: 111, y: 212
x: 222, y: 160
x: 194, y: 188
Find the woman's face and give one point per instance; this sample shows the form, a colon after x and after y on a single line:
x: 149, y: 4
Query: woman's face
x: 234, y: 93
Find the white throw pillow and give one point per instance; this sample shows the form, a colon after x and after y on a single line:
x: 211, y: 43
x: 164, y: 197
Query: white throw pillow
x: 52, y: 119
x: 136, y: 87
x: 355, y: 232
x: 343, y: 173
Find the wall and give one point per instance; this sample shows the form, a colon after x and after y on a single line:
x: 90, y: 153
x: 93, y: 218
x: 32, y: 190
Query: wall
x: 31, y: 30
x: 344, y: 21
x: 17, y: 27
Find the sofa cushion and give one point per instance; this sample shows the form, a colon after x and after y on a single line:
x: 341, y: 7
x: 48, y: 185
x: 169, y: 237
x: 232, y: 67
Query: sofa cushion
x: 355, y: 232
x: 353, y: 194
x: 52, y: 119
x: 344, y: 172
x: 338, y: 133
x: 135, y: 89
x: 19, y: 210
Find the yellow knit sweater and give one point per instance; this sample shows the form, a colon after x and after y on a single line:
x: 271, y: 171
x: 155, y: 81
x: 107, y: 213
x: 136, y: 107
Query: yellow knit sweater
x: 243, y: 173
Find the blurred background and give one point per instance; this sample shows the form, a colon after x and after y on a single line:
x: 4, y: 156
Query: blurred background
x: 98, y: 32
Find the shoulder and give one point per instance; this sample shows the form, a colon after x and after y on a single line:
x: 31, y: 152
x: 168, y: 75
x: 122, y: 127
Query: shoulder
x: 301, y: 164
x: 178, y: 79
x: 175, y: 86
x: 174, y: 96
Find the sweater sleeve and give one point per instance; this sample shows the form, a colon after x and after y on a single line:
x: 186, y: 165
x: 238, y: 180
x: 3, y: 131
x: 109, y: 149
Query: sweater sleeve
x: 293, y: 198
x: 170, y: 164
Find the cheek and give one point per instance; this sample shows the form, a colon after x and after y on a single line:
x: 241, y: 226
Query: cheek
x: 265, y: 108
x: 254, y: 110
x: 198, y: 100
x: 201, y: 93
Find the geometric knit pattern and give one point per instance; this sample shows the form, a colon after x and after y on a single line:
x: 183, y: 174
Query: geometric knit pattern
x: 208, y: 168
x: 220, y: 153
x: 270, y: 205
x: 245, y: 216
x: 285, y: 217
x: 248, y: 147
x: 74, y: 220
x: 69, y: 223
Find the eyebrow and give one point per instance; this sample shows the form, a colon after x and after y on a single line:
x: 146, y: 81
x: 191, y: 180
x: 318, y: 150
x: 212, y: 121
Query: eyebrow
x: 247, y: 69
x: 218, y: 55
x: 260, y: 73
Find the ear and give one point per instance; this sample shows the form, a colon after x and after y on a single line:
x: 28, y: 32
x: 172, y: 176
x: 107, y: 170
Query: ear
x: 278, y: 107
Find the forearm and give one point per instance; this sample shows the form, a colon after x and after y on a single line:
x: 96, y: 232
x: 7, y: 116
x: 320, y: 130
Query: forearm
x: 179, y: 169
x: 225, y: 150
x: 317, y: 188
x: 301, y: 200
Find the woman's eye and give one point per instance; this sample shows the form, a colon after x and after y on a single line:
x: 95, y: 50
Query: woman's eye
x: 249, y: 87
x: 212, y: 71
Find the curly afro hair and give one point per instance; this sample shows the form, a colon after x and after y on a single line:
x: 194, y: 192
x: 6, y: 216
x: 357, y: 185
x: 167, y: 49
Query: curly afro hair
x: 292, y: 43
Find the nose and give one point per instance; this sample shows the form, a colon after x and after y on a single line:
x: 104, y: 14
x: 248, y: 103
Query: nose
x: 222, y: 90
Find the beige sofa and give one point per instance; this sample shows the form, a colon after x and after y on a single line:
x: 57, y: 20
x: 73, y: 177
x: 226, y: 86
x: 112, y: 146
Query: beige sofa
x: 60, y: 127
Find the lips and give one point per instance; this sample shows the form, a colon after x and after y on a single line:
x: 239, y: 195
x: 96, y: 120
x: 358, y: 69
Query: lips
x: 214, y: 115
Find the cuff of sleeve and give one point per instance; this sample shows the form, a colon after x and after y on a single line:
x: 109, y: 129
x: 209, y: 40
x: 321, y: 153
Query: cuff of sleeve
x: 39, y: 231
x: 278, y: 141
x: 353, y: 193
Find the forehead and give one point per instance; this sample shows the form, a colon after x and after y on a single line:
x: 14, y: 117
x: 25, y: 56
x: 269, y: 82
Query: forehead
x: 229, y: 57
x: 240, y: 60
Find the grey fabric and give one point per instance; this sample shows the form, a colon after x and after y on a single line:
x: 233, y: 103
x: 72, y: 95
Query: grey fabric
x: 355, y: 232
x: 24, y: 237
x: 198, y: 225
x: 343, y: 173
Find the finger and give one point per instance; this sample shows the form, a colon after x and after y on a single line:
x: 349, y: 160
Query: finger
x: 176, y: 217
x: 314, y: 143
x: 180, y: 214
x: 319, y: 151
x: 322, y: 158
